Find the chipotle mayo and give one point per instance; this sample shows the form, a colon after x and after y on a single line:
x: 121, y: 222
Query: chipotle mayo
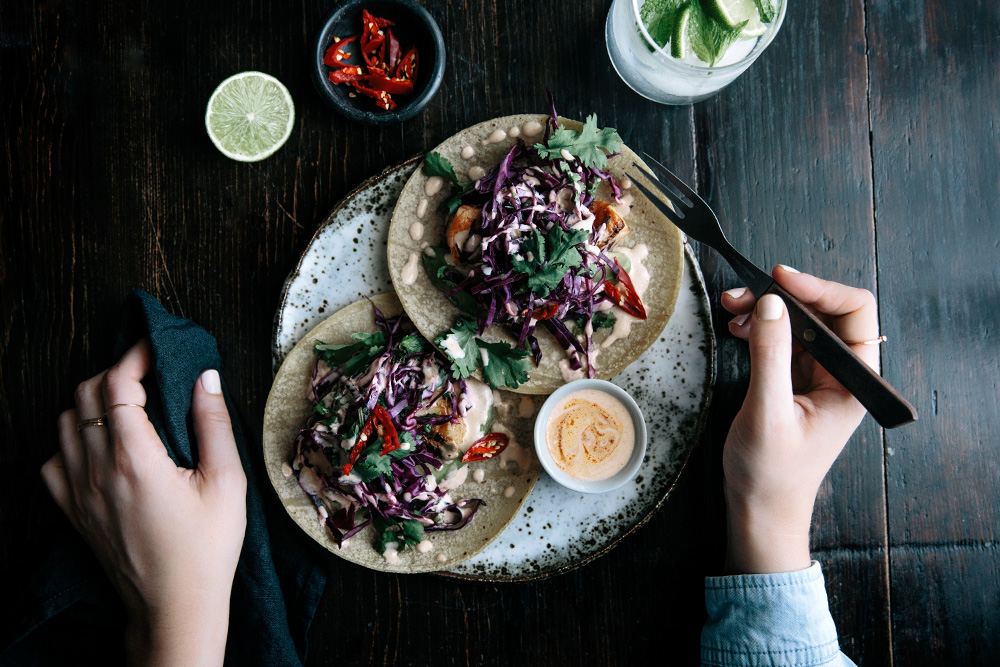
x: 590, y: 435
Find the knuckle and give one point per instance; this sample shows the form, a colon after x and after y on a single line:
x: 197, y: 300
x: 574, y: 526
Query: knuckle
x: 83, y: 391
x: 112, y: 380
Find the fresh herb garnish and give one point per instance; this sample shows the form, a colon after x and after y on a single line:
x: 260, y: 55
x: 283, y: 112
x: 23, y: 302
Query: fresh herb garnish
x: 505, y: 365
x: 436, y: 164
x: 545, y: 270
x: 584, y: 145
x: 659, y: 17
x: 352, y: 357
x: 603, y: 319
x: 405, y: 533
x: 436, y: 265
x: 502, y: 365
x: 411, y: 344
x: 371, y: 463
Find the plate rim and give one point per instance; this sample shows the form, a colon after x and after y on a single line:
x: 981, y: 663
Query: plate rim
x: 327, y: 221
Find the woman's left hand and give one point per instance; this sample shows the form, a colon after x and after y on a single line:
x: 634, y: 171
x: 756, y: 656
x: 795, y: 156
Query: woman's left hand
x: 168, y: 537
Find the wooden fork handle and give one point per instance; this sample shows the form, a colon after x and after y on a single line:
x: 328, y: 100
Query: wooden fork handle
x: 883, y: 402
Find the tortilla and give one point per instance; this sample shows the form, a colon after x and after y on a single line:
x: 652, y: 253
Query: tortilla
x: 432, y: 312
x: 288, y: 410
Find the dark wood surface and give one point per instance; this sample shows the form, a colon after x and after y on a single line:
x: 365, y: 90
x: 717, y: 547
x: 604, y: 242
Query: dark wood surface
x: 862, y: 146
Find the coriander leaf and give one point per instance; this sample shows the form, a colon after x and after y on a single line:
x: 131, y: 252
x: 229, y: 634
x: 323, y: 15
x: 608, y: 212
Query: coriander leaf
x: 460, y: 340
x: 413, y: 532
x: 412, y: 344
x: 562, y: 245
x: 353, y: 357
x: 371, y: 463
x: 454, y: 201
x: 505, y: 366
x: 436, y: 164
x: 585, y: 145
x: 546, y: 279
x: 532, y: 253
x: 436, y: 265
x: 603, y: 319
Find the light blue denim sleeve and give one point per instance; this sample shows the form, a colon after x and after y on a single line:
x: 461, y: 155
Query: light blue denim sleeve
x: 772, y: 620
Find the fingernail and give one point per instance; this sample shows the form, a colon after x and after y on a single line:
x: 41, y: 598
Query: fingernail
x: 740, y: 320
x: 789, y: 269
x: 736, y: 292
x: 770, y: 307
x: 210, y: 381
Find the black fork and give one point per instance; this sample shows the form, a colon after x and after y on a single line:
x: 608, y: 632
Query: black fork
x: 697, y: 219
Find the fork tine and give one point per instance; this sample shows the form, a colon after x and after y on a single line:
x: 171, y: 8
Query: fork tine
x: 660, y: 170
x: 674, y: 216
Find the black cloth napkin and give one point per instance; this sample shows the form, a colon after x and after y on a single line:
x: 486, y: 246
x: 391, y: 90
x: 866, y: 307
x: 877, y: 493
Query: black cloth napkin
x: 72, y: 612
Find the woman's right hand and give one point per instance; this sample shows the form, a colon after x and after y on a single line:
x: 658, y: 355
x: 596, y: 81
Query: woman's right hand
x: 794, y: 422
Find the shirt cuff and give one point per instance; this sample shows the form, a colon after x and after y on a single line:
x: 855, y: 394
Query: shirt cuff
x: 772, y: 620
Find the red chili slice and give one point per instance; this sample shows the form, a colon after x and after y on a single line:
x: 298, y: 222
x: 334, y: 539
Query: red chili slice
x: 330, y: 57
x: 382, y: 99
x: 346, y: 75
x: 545, y: 312
x: 625, y: 297
x: 386, y: 430
x: 486, y: 447
x: 393, y: 57
x: 380, y: 422
x: 379, y: 81
x: 367, y: 18
x: 408, y: 65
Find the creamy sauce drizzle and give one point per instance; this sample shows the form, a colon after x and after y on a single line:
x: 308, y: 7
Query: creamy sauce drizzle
x: 640, y: 280
x: 508, y: 492
x: 531, y: 128
x: 468, y: 152
x: 441, y: 558
x: 496, y: 136
x: 417, y: 231
x: 479, y: 475
x: 514, y: 132
x: 433, y: 185
x: 409, y: 273
x: 422, y: 208
x: 590, y: 435
x: 477, y: 402
x: 475, y: 173
x: 424, y: 546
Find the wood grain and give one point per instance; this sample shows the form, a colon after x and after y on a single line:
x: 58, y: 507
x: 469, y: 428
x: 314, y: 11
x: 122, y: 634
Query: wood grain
x: 861, y: 145
x: 934, y: 116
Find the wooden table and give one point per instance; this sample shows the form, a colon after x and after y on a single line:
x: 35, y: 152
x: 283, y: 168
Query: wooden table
x: 862, y: 147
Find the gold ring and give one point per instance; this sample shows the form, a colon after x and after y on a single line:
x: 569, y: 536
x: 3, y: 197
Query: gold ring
x: 873, y: 341
x: 125, y: 405
x: 97, y: 421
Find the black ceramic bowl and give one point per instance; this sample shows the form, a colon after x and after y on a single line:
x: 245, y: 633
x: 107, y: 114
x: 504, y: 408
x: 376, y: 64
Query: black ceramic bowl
x: 414, y: 27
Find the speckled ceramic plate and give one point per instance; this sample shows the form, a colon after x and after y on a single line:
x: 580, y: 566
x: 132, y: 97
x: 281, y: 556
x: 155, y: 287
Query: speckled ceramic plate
x: 671, y: 382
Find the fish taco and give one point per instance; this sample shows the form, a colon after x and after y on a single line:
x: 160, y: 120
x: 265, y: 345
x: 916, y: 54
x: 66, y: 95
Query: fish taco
x: 385, y: 458
x: 520, y: 250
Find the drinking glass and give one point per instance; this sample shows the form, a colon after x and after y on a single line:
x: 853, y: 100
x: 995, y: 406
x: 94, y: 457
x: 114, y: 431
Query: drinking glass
x: 653, y: 73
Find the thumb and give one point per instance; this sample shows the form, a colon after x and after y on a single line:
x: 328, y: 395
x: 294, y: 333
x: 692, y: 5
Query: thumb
x: 770, y: 389
x: 216, y: 445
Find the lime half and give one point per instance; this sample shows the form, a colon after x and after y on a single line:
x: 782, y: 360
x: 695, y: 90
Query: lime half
x: 679, y: 44
x: 732, y: 13
x: 249, y: 116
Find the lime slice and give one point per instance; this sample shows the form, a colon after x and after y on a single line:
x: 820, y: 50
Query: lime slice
x: 679, y: 44
x: 732, y: 13
x: 249, y: 116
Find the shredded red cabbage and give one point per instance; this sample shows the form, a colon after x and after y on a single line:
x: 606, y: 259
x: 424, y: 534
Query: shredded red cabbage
x: 405, y: 375
x: 523, y: 194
